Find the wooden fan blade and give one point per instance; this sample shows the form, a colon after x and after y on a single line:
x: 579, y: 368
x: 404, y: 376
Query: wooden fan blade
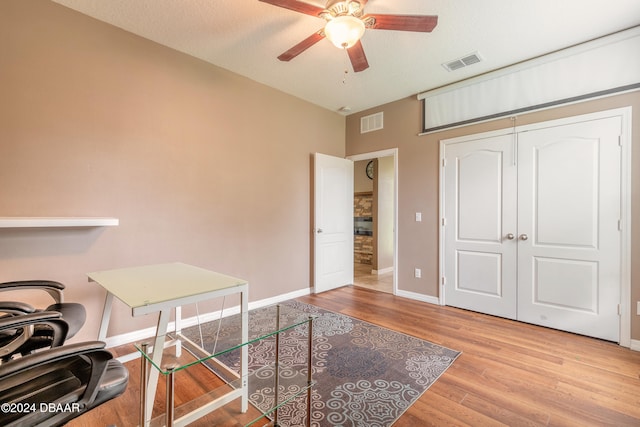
x: 421, y: 23
x: 297, y: 6
x: 302, y: 46
x: 357, y: 57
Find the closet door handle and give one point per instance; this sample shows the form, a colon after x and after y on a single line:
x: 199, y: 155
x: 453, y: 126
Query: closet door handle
x: 523, y: 237
x: 510, y: 236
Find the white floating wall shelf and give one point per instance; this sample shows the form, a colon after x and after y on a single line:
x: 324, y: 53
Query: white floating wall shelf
x: 46, y: 222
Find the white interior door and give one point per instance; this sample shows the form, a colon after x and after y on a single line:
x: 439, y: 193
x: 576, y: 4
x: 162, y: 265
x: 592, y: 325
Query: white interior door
x: 569, y: 270
x: 535, y: 234
x: 333, y: 222
x: 480, y: 213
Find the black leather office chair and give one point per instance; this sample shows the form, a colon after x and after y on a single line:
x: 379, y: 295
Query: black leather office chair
x: 29, y: 332
x: 74, y: 314
x: 52, y: 386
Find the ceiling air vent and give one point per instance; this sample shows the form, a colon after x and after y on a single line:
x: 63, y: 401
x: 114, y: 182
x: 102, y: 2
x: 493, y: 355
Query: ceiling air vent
x: 465, y: 61
x: 371, y: 122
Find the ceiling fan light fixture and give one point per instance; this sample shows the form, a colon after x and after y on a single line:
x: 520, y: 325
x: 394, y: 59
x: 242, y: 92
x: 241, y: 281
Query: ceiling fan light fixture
x: 344, y: 31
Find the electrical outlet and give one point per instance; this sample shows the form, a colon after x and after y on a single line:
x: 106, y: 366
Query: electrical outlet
x: 418, y: 216
x: 418, y: 273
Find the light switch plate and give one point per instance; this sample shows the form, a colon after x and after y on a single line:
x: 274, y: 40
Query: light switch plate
x: 418, y: 216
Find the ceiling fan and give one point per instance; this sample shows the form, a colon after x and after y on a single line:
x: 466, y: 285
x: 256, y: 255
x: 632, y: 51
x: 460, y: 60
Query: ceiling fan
x: 346, y: 24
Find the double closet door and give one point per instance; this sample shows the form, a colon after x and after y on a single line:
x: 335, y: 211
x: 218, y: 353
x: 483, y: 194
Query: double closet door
x: 532, y: 225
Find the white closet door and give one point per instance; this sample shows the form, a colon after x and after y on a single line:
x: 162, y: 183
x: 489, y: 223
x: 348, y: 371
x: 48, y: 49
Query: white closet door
x: 568, y: 231
x: 480, y: 214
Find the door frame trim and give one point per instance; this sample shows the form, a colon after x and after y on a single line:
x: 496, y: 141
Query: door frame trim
x: 625, y: 200
x: 388, y: 153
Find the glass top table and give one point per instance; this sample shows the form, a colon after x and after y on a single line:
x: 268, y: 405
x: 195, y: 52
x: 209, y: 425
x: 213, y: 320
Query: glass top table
x: 148, y: 289
x: 213, y: 349
x: 161, y: 288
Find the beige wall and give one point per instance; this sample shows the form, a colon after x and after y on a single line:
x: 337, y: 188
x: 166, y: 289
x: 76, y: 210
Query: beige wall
x: 200, y: 165
x: 418, y: 165
x: 385, y: 212
x: 361, y: 182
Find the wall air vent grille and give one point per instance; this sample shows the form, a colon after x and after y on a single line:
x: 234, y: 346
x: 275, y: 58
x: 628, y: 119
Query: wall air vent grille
x: 465, y: 61
x: 372, y: 122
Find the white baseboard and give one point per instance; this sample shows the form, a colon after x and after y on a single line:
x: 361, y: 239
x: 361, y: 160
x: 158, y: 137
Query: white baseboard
x: 635, y: 345
x: 139, y: 335
x: 382, y: 271
x: 418, y: 297
x: 279, y: 298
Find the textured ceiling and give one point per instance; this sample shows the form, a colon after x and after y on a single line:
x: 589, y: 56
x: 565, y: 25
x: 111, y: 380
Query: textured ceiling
x: 246, y: 36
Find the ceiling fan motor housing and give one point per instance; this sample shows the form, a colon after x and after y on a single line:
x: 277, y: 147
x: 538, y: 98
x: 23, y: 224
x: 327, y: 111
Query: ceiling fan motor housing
x: 337, y: 8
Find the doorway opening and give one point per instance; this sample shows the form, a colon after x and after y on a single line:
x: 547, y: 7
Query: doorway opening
x: 374, y: 218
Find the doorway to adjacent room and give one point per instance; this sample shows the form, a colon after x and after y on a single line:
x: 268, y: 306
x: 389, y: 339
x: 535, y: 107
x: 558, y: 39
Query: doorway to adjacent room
x: 375, y: 206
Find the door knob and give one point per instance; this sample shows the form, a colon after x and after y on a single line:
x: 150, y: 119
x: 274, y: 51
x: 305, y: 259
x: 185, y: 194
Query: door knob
x: 319, y: 230
x: 523, y: 237
x: 510, y: 236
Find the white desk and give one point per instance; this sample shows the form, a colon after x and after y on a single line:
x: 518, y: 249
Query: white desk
x: 162, y: 287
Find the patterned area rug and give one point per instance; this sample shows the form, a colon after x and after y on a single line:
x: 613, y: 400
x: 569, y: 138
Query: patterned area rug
x: 364, y: 375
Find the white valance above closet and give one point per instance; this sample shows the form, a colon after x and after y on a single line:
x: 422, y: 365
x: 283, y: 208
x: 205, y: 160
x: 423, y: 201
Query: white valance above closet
x: 597, y: 68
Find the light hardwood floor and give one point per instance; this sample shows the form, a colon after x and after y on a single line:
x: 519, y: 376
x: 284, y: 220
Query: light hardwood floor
x: 509, y: 373
x: 363, y: 277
